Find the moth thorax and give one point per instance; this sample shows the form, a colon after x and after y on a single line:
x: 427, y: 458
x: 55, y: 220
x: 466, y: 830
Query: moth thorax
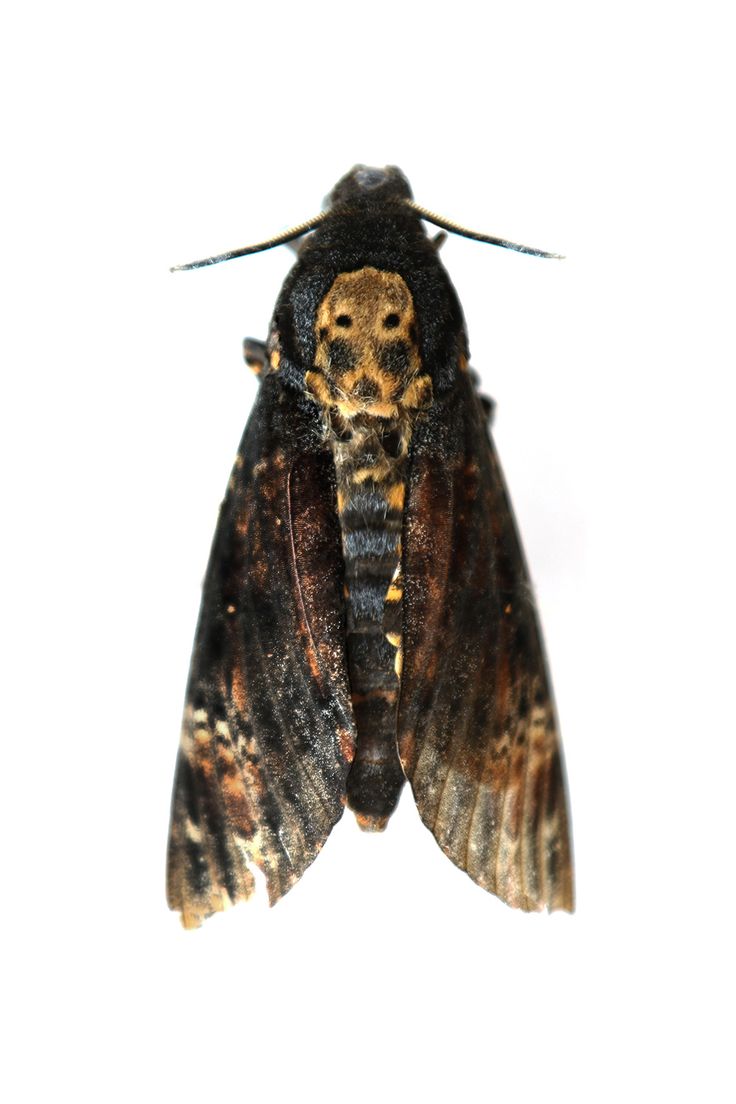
x: 367, y: 352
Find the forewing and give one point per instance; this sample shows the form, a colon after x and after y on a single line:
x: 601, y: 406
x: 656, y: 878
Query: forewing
x: 477, y: 727
x: 268, y: 733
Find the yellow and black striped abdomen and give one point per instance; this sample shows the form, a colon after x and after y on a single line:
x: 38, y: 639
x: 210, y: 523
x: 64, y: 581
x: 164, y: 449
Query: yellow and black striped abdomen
x: 371, y: 536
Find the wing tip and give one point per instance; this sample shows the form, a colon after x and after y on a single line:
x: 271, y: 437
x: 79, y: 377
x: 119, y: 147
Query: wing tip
x: 193, y: 911
x: 560, y: 899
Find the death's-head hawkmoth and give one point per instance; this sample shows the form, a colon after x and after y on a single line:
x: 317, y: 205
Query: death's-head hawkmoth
x: 367, y: 616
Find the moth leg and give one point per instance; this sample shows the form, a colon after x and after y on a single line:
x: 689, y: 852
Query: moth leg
x: 489, y: 408
x: 255, y: 355
x: 488, y: 404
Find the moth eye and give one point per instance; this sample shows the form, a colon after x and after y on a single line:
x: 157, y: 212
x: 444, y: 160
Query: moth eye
x: 344, y: 320
x: 323, y: 333
x: 391, y: 321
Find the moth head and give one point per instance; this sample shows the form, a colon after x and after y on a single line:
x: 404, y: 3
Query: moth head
x: 366, y: 187
x: 364, y: 183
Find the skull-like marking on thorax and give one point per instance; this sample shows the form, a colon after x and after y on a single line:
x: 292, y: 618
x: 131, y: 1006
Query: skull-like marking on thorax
x: 367, y: 356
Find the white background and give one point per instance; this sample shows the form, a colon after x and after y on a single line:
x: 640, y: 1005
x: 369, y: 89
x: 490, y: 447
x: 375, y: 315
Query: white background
x: 141, y: 135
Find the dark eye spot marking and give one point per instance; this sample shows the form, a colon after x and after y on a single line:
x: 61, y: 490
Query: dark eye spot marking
x: 342, y: 357
x: 344, y: 320
x: 394, y: 358
x: 323, y: 333
x: 391, y: 321
x: 366, y: 388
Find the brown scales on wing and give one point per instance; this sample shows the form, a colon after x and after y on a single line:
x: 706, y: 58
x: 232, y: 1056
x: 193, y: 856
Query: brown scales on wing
x: 369, y: 381
x: 268, y: 733
x: 476, y: 725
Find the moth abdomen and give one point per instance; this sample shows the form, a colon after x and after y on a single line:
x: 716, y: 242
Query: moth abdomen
x: 372, y: 546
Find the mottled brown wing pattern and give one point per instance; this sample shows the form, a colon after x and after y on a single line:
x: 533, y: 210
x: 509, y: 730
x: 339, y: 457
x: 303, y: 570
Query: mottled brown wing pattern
x: 477, y: 729
x: 268, y: 734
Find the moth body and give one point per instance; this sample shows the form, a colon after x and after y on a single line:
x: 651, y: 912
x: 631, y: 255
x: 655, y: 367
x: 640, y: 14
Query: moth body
x: 366, y: 617
x: 369, y: 383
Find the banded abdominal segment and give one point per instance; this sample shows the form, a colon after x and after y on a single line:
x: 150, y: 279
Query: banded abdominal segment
x: 368, y: 379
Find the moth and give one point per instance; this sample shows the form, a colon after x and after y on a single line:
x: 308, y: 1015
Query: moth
x: 367, y: 616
